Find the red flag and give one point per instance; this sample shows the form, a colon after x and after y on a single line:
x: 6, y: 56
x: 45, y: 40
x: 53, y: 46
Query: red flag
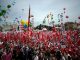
x: 69, y: 40
x: 78, y: 42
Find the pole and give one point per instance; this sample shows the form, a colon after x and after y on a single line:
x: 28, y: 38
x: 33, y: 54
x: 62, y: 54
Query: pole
x: 29, y: 17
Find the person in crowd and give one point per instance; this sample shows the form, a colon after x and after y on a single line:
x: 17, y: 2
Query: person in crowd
x: 8, y: 55
x: 69, y: 57
x: 14, y: 54
x: 58, y: 55
x: 1, y: 53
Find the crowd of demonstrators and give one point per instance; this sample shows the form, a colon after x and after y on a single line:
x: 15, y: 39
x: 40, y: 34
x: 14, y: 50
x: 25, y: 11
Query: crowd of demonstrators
x: 29, y: 52
x: 40, y: 45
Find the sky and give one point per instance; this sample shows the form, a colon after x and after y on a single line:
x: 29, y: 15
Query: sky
x: 41, y: 8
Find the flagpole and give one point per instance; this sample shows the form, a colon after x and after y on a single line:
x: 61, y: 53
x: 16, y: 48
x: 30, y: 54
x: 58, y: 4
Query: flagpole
x: 29, y: 23
x: 29, y: 17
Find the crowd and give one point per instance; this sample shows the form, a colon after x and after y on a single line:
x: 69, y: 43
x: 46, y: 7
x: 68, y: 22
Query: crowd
x: 40, y: 45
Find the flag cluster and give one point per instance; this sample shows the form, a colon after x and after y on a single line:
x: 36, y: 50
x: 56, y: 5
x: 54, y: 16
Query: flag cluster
x: 48, y: 39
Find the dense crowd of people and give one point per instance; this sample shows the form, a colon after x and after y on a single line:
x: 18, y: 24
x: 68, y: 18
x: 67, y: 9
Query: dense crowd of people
x: 35, y: 53
x: 40, y: 45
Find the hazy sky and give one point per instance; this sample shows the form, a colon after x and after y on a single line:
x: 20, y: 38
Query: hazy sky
x: 40, y: 9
